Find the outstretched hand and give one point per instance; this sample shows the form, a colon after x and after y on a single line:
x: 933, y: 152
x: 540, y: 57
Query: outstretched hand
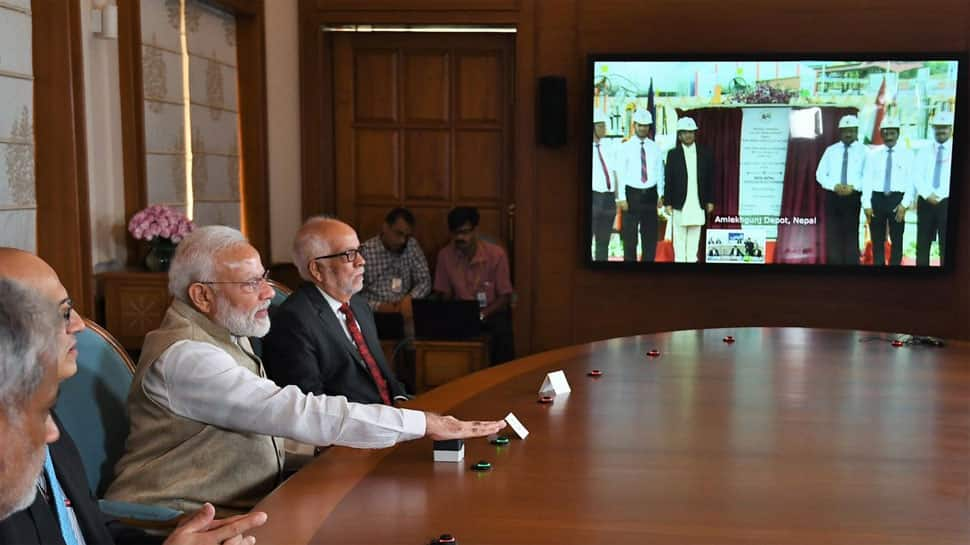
x: 442, y: 428
x: 201, y: 528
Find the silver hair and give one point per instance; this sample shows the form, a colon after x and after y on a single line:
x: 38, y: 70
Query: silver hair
x: 195, y: 257
x: 306, y: 245
x: 28, y: 343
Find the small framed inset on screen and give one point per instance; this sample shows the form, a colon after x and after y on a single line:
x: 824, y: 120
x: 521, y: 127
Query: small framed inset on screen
x: 775, y: 161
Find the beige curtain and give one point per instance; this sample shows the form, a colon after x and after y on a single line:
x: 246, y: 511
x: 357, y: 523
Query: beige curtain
x: 18, y: 202
x: 213, y: 113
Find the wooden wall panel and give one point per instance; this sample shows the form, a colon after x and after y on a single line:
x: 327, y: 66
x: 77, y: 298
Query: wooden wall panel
x: 479, y: 161
x: 431, y: 230
x: 368, y: 221
x: 376, y: 164
x: 427, y: 87
x: 479, y: 94
x: 60, y: 152
x: 563, y: 302
x: 427, y: 165
x: 375, y: 84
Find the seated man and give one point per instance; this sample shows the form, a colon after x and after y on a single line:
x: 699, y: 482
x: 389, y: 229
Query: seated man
x: 323, y: 338
x: 39, y: 522
x: 396, y: 271
x: 474, y: 270
x: 205, y: 420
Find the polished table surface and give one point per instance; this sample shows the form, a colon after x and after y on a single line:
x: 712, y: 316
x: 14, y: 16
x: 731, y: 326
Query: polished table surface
x: 787, y: 436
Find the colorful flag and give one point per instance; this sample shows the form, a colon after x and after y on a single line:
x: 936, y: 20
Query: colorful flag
x: 652, y: 109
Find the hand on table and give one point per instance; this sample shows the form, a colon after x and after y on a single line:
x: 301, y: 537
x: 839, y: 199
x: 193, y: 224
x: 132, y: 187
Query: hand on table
x: 201, y: 528
x: 442, y: 428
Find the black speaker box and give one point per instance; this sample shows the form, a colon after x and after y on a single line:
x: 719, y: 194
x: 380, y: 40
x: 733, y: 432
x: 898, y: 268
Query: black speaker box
x: 551, y: 109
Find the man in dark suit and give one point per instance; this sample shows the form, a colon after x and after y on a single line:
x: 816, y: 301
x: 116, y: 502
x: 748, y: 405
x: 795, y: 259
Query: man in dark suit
x: 688, y: 190
x: 43, y: 519
x: 323, y: 338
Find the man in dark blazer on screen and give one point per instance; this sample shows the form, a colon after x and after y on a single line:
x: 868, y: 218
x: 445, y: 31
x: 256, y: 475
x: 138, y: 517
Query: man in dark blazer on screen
x: 323, y: 338
x: 688, y: 190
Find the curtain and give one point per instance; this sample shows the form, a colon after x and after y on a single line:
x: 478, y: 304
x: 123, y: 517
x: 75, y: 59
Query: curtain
x: 18, y: 202
x: 164, y: 103
x: 211, y: 38
x: 213, y: 156
x: 802, y: 196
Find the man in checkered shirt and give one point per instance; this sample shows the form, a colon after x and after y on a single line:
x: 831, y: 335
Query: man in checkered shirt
x: 396, y: 271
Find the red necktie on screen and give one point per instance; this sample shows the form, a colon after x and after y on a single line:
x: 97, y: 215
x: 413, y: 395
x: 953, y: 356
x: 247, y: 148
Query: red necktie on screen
x: 605, y: 171
x: 643, y: 163
x: 358, y: 337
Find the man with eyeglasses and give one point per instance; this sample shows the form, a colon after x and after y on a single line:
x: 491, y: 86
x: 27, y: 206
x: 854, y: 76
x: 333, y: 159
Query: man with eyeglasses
x: 324, y: 339
x: 397, y: 271
x: 78, y: 519
x: 206, y: 424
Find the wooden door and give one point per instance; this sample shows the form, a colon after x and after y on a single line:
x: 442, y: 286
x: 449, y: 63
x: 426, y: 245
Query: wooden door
x: 422, y: 121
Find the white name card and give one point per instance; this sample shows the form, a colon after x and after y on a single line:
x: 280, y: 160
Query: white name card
x: 555, y: 384
x: 517, y: 426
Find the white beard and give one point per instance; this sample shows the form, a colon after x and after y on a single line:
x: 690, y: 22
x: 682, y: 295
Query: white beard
x: 240, y: 324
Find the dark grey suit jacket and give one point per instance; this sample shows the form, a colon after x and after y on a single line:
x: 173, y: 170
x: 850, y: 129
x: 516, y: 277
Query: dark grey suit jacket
x: 306, y: 346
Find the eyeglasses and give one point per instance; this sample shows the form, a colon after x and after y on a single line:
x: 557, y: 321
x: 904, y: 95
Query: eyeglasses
x: 68, y: 308
x: 349, y: 255
x: 248, y: 286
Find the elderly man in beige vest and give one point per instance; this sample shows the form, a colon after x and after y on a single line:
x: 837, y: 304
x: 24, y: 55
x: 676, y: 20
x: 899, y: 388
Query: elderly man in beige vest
x: 206, y: 425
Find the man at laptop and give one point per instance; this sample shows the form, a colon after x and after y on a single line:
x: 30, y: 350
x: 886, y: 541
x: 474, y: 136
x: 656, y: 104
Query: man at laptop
x: 396, y: 271
x: 323, y: 338
x: 472, y: 269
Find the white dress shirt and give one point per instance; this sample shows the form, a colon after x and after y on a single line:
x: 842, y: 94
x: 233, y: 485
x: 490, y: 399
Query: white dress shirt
x: 829, y: 171
x: 925, y: 164
x: 202, y: 382
x: 599, y: 178
x: 875, y: 172
x: 630, y: 175
x: 335, y: 307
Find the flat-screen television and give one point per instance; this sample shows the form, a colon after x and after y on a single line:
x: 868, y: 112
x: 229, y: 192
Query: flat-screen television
x: 775, y: 161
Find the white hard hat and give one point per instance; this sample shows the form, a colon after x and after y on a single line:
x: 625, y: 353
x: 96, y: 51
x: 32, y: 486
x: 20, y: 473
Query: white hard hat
x: 889, y: 123
x: 849, y: 122
x: 942, y: 118
x: 643, y: 117
x: 686, y: 124
x: 599, y: 117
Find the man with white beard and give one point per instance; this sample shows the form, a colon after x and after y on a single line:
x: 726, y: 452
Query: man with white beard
x: 206, y: 423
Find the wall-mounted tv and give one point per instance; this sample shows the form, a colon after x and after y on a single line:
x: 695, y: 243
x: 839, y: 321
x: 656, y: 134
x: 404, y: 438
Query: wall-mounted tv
x: 774, y: 161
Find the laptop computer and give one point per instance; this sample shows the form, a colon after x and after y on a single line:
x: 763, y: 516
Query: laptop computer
x: 390, y: 325
x: 446, y: 320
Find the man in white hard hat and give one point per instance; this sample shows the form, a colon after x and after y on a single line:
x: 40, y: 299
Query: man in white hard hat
x: 887, y: 192
x: 604, y: 189
x: 932, y: 178
x: 688, y: 190
x: 642, y: 179
x: 839, y: 173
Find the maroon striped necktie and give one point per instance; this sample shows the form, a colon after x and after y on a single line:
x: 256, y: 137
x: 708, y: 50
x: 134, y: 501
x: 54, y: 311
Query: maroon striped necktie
x: 643, y: 163
x: 358, y: 337
x: 605, y: 171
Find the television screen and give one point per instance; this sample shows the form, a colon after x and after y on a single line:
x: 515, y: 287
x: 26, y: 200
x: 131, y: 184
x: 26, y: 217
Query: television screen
x: 797, y: 161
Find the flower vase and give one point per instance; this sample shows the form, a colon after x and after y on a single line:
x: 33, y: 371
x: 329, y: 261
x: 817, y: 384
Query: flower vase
x: 160, y: 254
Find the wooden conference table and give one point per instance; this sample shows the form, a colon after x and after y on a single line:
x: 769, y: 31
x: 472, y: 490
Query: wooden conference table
x: 787, y: 436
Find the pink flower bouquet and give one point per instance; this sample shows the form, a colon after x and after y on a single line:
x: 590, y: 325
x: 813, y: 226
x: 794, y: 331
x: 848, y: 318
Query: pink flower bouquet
x: 161, y: 222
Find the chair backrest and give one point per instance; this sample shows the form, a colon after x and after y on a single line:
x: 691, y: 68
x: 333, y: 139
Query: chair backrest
x: 92, y: 404
x: 282, y: 292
